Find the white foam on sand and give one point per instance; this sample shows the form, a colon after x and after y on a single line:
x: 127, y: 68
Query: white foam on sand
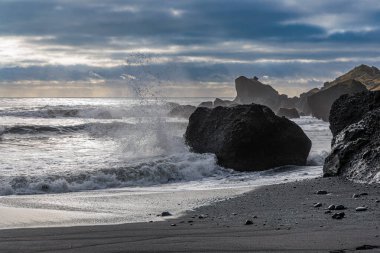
x: 136, y: 204
x: 105, y: 206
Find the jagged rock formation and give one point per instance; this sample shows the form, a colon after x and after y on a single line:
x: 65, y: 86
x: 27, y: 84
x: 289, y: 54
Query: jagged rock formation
x: 370, y: 76
x: 253, y: 91
x: 247, y: 137
x: 316, y: 102
x: 290, y: 113
x: 355, y: 124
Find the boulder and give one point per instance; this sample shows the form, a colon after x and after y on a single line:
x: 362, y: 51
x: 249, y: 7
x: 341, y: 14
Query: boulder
x: 247, y: 137
x: 349, y: 109
x: 220, y: 102
x: 355, y: 151
x: 182, y: 111
x: 290, y: 113
x: 207, y: 104
x: 321, y: 101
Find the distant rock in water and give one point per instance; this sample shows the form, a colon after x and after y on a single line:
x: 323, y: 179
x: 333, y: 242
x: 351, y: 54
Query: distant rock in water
x: 302, y: 104
x: 247, y: 137
x: 207, y: 104
x: 320, y: 102
x: 317, y: 101
x: 253, y: 91
x: 220, y: 102
x: 355, y: 151
x: 182, y: 111
x: 290, y: 113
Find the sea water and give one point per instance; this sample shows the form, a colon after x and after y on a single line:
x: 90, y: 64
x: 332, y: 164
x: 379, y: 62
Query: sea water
x: 79, y: 161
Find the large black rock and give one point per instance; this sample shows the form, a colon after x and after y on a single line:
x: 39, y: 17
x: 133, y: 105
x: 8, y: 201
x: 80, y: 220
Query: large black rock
x: 349, y: 109
x: 247, y: 137
x: 355, y: 149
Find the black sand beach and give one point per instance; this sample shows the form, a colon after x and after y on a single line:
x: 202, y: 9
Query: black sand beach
x: 284, y: 220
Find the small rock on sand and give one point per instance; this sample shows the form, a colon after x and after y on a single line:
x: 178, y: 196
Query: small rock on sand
x: 166, y: 213
x: 340, y: 207
x: 248, y: 222
x: 317, y: 204
x: 331, y: 207
x: 361, y: 209
x: 367, y: 247
x: 338, y: 216
x: 321, y: 192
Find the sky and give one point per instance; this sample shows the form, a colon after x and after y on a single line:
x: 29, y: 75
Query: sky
x: 180, y: 47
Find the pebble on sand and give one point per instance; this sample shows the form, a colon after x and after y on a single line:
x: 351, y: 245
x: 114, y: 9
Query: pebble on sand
x: 321, y: 192
x: 361, y: 209
x: 248, y: 222
x: 340, y: 207
x: 338, y: 216
x: 166, y: 213
x: 317, y: 204
x: 331, y: 207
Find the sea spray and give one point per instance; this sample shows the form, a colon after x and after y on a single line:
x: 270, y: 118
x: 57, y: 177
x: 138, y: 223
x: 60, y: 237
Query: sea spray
x: 154, y: 137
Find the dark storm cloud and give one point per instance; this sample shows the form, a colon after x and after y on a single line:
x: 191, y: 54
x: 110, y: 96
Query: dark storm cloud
x: 293, y: 39
x: 180, y: 22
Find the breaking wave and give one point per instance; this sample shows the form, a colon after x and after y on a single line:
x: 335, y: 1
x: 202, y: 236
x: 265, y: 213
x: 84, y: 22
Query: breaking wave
x: 95, y: 129
x: 89, y: 112
x: 176, y: 168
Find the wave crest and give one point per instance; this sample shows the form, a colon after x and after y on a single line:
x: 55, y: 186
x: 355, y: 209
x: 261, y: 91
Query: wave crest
x: 175, y: 168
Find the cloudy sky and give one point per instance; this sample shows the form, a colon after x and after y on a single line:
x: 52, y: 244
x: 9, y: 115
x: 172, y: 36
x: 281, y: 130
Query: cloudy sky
x: 180, y: 47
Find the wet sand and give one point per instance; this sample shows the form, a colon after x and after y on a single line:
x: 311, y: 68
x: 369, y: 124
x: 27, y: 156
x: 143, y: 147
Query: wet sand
x: 284, y: 220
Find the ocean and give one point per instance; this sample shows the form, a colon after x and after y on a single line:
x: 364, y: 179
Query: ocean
x: 85, y: 161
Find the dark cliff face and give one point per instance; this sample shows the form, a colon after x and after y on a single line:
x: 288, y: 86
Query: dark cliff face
x: 320, y: 102
x: 247, y: 137
x: 355, y: 124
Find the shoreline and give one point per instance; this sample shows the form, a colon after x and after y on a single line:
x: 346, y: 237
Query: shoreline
x: 284, y: 219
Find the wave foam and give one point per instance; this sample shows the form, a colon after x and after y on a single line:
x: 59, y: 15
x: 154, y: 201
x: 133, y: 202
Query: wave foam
x: 175, y: 168
x: 88, y: 112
